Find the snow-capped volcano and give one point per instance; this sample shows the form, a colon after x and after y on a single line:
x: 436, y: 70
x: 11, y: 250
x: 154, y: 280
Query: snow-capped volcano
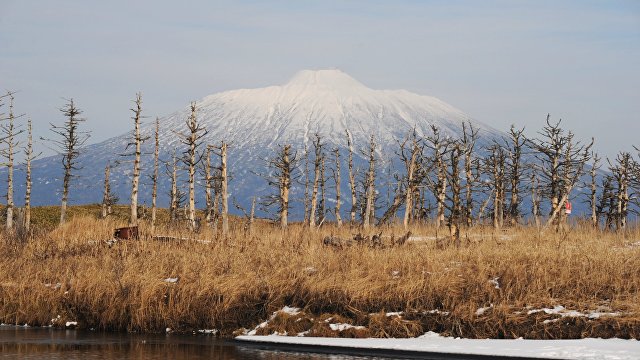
x: 323, y: 101
x: 255, y: 122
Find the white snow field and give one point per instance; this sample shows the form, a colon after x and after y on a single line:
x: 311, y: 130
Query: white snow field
x: 582, y: 349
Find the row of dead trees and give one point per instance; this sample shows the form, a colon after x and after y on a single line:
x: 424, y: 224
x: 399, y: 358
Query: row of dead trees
x: 467, y: 183
x: 456, y: 179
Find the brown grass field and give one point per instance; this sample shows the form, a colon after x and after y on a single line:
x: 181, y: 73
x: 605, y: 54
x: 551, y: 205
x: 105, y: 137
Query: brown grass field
x: 69, y: 273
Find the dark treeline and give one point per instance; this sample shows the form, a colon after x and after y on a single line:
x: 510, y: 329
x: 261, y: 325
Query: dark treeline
x: 455, y: 182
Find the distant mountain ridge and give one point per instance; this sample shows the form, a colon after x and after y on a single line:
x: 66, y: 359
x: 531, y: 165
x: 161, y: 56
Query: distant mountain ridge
x: 255, y: 122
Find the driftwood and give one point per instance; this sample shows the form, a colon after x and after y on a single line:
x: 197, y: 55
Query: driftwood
x: 376, y: 241
x: 401, y: 240
x: 337, y: 242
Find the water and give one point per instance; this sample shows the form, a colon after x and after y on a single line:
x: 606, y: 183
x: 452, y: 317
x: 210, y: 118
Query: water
x: 45, y: 343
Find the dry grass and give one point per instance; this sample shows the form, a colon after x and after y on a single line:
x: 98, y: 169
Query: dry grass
x: 239, y: 281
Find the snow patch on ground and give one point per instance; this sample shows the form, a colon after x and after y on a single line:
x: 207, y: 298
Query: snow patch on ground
x: 292, y: 311
x: 582, y: 349
x: 342, y: 327
x: 288, y: 310
x: 563, y: 312
x: 482, y: 310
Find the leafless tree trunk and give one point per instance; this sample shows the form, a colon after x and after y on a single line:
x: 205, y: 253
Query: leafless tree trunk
x: 285, y: 185
x: 154, y: 190
x: 68, y: 146
x: 593, y: 196
x: 468, y: 143
x: 496, y: 163
x: 280, y: 179
x: 173, y: 203
x: 192, y: 158
x: 336, y: 177
x: 252, y: 214
x: 535, y: 198
x: 217, y: 192
x: 515, y: 148
x: 621, y: 175
x: 106, y: 192
x: 455, y: 208
x: 306, y: 184
x: 352, y: 179
x: 607, y: 203
x: 439, y: 147
x: 411, y: 165
x: 208, y: 185
x: 224, y: 188
x: 371, y: 177
x: 322, y: 207
x: 137, y: 142
x: 316, y: 180
x: 29, y: 157
x: 9, y: 133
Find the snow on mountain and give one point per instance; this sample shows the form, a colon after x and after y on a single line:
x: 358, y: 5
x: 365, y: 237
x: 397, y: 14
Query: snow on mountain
x: 255, y: 122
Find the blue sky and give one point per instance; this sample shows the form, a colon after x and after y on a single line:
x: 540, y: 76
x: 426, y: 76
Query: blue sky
x: 502, y: 62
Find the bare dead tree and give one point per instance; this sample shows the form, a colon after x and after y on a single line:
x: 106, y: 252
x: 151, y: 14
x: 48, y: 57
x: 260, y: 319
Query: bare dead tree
x: 592, y: 200
x: 412, y: 160
x: 9, y: 131
x: 192, y: 157
x: 282, y: 166
x: 468, y: 143
x: 219, y: 182
x: 336, y: 178
x: 393, y: 206
x: 106, y: 191
x: 455, y: 201
x: 306, y: 199
x: 70, y: 140
x: 621, y: 173
x: 495, y: 165
x: 154, y: 178
x: 208, y: 179
x: 535, y: 198
x: 137, y: 144
x: 352, y: 179
x: 515, y: 147
x: 217, y: 195
x: 439, y: 147
x: 370, y: 186
x: 322, y: 207
x: 172, y: 170
x: 317, y: 145
x: 562, y: 163
x: 634, y: 180
x: 252, y: 214
x: 607, y: 202
x: 29, y: 157
x: 224, y: 193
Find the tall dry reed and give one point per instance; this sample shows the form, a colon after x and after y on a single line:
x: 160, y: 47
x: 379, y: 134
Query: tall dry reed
x: 71, y: 273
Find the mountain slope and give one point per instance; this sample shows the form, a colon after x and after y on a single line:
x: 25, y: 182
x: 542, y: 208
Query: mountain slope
x: 255, y: 121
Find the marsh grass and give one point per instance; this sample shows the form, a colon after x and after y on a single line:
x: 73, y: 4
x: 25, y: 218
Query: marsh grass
x: 69, y: 273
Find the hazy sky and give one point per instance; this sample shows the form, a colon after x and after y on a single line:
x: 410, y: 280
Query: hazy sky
x: 502, y: 62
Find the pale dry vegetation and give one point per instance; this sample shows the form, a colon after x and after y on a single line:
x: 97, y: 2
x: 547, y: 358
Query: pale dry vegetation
x: 239, y: 281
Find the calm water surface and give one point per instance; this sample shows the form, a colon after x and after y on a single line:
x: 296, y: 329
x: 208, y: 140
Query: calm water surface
x: 42, y: 343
